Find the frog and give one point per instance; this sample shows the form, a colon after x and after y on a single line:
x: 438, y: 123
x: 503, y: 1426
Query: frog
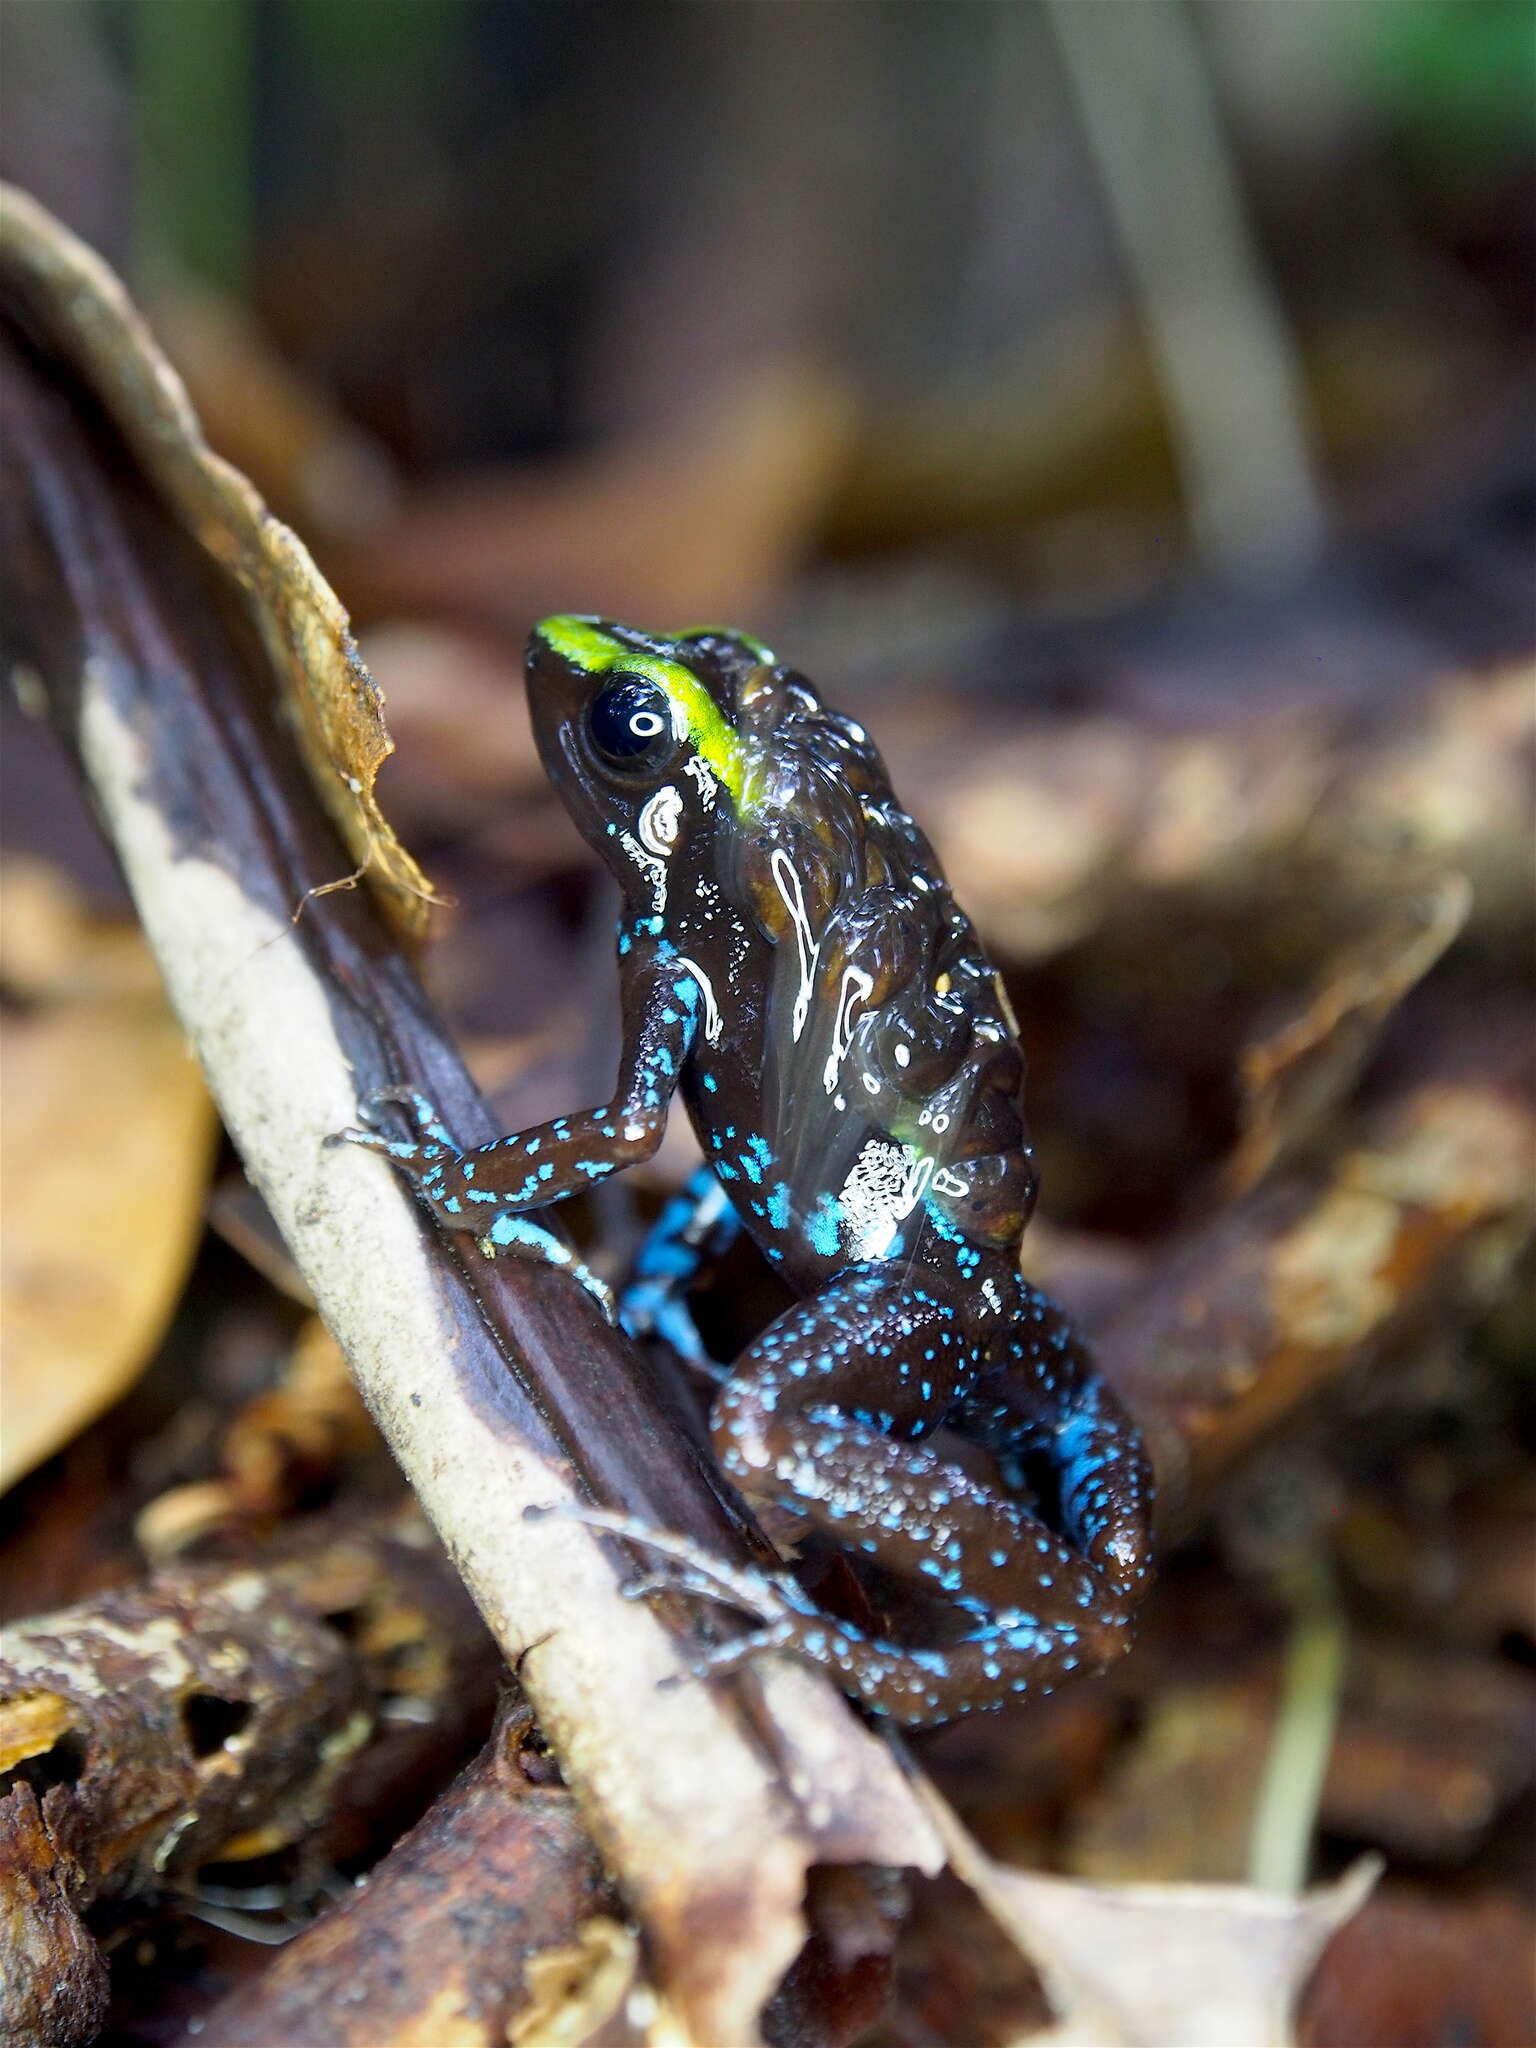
x: 794, y: 966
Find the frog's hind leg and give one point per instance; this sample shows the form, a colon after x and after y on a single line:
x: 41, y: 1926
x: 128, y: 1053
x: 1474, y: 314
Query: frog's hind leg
x: 1042, y: 1396
x: 696, y: 1225
x: 813, y: 1419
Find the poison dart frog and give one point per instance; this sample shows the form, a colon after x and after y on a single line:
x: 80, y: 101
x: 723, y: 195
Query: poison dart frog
x: 792, y: 962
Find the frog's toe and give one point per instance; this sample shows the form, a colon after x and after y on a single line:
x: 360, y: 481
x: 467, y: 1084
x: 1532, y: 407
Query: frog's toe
x: 416, y: 1107
x: 690, y: 1567
x: 675, y: 1579
x: 371, y: 1141
x: 726, y: 1659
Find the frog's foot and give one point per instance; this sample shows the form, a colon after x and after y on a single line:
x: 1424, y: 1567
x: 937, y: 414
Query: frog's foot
x: 525, y: 1239
x: 885, y: 1676
x: 1009, y: 1654
x: 421, y: 1159
x: 649, y: 1308
x: 697, y: 1224
x: 771, y: 1597
x: 417, y: 1108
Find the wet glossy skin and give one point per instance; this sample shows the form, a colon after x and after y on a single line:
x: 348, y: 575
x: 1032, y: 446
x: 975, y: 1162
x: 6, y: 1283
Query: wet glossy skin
x: 792, y: 961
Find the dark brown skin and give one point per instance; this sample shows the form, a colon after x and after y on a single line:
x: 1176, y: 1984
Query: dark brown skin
x: 792, y: 960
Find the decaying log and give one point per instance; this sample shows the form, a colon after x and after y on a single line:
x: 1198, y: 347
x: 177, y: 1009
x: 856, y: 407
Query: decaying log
x: 53, y: 1989
x: 444, y: 1939
x: 144, y: 610
x: 217, y: 1714
x: 492, y: 1922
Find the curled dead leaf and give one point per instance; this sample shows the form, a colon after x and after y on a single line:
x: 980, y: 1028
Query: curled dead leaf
x: 1154, y: 1965
x: 78, y: 309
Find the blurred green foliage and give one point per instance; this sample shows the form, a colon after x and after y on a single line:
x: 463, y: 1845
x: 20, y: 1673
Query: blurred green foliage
x: 1457, y: 75
x: 351, y: 37
x: 192, y: 63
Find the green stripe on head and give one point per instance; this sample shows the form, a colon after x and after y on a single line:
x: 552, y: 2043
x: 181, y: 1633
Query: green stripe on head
x: 695, y: 711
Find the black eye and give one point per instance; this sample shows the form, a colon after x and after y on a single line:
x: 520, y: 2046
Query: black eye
x: 631, y: 721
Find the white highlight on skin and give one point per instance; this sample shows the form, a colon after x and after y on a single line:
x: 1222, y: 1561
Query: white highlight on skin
x: 712, y: 1019
x: 655, y: 870
x: 708, y: 786
x: 659, y: 821
x: 884, y: 1185
x: 788, y: 884
x: 856, y: 989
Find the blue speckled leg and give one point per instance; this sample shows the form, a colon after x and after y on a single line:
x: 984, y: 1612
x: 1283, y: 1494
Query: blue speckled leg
x: 503, y: 1231
x: 696, y: 1225
x: 797, y: 1425
x: 1042, y: 1394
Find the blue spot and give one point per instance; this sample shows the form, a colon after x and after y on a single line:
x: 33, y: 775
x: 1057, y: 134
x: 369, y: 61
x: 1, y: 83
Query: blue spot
x: 822, y: 1225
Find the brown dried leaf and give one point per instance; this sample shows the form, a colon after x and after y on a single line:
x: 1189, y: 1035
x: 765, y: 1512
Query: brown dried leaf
x: 81, y: 307
x: 106, y: 1135
x: 279, y: 1448
x: 1420, y: 1969
x: 1297, y: 1075
x: 1429, y: 1752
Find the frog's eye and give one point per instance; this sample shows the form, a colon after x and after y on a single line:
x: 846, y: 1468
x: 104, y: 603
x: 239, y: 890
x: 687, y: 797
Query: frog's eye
x: 631, y: 722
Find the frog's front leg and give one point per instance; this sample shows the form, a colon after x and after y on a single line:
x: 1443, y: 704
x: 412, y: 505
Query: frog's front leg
x: 812, y: 1419
x: 489, y: 1189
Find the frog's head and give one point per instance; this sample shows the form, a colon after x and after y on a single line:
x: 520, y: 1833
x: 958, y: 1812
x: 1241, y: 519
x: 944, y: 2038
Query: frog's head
x: 643, y: 735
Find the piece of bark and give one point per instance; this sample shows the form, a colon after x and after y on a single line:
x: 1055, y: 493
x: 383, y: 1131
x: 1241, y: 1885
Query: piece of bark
x: 441, y: 1940
x: 207, y: 1715
x: 53, y: 1989
x: 499, y: 1386
x: 1257, y: 1311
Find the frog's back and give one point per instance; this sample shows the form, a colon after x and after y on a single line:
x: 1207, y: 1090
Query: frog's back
x: 888, y: 1072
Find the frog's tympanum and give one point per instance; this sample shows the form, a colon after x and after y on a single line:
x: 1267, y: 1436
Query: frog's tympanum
x: 792, y: 961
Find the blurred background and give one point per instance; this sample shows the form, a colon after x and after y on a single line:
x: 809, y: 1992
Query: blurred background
x: 915, y: 314
x: 1128, y: 406
x: 1167, y: 361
